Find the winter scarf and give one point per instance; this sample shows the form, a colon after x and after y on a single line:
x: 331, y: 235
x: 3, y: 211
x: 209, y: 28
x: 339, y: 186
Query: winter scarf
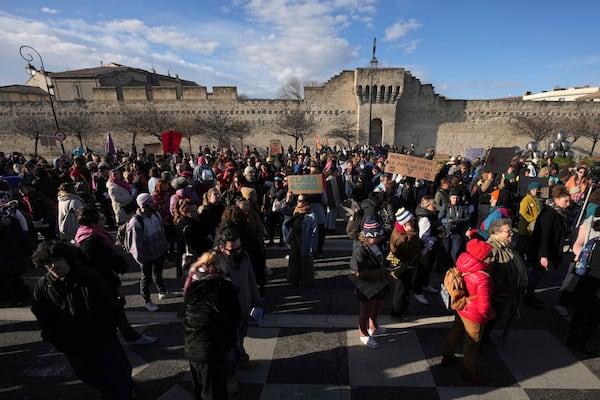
x: 84, y: 232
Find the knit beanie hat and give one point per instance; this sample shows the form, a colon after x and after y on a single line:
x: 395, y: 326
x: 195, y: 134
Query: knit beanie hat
x: 144, y: 199
x: 533, y: 185
x: 403, y: 216
x: 478, y: 249
x: 372, y: 228
x: 179, y: 183
x: 247, y: 192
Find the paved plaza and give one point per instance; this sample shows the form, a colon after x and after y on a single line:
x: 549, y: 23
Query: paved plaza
x: 308, y: 348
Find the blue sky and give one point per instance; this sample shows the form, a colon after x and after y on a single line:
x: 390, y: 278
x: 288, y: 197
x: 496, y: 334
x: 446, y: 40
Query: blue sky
x: 468, y: 49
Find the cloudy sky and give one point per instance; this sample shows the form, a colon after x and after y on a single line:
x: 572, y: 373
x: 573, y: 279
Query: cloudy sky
x: 468, y: 49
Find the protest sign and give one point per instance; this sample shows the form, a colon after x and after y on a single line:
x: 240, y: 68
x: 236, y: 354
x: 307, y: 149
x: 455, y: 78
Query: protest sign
x: 474, y: 152
x: 441, y: 156
x: 499, y: 159
x: 153, y: 148
x: 524, y: 181
x: 275, y: 146
x: 305, y: 184
x: 420, y: 168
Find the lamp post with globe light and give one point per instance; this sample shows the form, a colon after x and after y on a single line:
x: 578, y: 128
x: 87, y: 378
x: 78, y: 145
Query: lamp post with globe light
x: 27, y: 56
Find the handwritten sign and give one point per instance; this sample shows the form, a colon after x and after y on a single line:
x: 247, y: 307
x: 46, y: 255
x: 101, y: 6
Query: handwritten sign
x: 415, y: 167
x: 305, y: 184
x: 474, y: 152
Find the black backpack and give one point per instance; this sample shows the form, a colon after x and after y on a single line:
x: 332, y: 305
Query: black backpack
x: 354, y: 225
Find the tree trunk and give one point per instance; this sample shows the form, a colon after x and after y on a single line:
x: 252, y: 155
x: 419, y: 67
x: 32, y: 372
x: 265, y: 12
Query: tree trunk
x: 594, y: 141
x: 189, y: 138
x: 80, y: 141
x: 35, y: 146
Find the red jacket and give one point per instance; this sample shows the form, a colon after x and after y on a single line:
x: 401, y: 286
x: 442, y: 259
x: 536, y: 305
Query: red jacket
x: 479, y: 286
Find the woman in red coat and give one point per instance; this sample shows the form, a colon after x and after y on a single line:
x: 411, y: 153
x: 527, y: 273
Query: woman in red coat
x: 470, y: 321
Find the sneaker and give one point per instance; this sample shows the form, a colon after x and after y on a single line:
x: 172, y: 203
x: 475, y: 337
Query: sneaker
x: 167, y: 295
x: 145, y: 340
x: 369, y: 341
x: 150, y: 306
x: 421, y: 299
x: 561, y: 310
x: 430, y: 289
x: 233, y: 387
x: 474, y: 377
x: 380, y: 330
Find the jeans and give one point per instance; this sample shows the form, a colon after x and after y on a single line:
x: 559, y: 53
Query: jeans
x: 152, y: 271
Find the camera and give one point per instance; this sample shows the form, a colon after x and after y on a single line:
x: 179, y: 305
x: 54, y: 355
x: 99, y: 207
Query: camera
x: 594, y: 172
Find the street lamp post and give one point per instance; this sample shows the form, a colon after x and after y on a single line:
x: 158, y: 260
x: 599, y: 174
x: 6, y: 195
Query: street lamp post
x: 371, y: 70
x: 25, y: 55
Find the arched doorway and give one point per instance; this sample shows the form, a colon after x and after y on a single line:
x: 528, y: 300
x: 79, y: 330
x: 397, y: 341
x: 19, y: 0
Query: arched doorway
x: 376, y: 132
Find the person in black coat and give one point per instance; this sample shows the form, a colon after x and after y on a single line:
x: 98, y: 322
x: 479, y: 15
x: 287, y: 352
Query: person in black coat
x: 211, y: 321
x: 99, y: 249
x: 77, y: 313
x: 545, y: 250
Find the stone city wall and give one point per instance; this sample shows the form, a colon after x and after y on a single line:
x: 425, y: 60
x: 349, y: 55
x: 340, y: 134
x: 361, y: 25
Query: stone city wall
x: 409, y: 112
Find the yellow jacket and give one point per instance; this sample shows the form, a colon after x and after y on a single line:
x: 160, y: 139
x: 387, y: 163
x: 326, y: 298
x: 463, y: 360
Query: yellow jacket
x: 528, y: 212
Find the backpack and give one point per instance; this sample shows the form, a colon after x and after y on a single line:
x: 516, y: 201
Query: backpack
x: 354, y: 224
x: 587, y: 257
x: 453, y: 290
x: 124, y: 232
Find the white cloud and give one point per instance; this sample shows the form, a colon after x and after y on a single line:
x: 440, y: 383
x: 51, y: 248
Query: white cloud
x: 49, y: 10
x: 401, y: 29
x: 272, y: 42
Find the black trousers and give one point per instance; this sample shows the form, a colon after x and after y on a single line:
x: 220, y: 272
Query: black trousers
x: 210, y: 380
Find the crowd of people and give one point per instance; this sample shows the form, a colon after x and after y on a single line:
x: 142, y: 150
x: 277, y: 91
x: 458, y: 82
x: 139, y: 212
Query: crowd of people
x: 213, y: 214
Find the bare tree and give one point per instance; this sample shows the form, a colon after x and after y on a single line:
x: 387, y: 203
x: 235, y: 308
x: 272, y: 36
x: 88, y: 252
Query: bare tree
x: 146, y: 120
x: 219, y: 126
x: 593, y: 131
x: 297, y: 124
x: 346, y: 131
x: 577, y: 126
x: 33, y: 126
x: 537, y: 127
x: 293, y: 88
x: 240, y: 130
x: 80, y: 125
x: 190, y: 126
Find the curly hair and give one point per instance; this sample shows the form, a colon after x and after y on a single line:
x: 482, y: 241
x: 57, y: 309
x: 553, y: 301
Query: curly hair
x: 50, y: 250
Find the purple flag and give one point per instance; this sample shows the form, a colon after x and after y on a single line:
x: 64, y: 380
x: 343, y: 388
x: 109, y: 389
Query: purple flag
x: 109, y: 148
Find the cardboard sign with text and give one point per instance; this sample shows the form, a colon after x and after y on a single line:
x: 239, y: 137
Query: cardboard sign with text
x: 415, y: 167
x: 305, y: 184
x: 154, y: 148
x: 499, y: 159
